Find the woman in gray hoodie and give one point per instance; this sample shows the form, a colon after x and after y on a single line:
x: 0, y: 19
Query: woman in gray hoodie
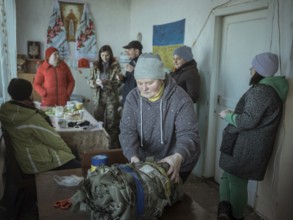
x: 159, y: 120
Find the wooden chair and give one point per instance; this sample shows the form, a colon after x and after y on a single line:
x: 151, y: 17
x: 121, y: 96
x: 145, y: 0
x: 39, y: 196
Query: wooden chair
x: 18, y: 185
x: 114, y: 156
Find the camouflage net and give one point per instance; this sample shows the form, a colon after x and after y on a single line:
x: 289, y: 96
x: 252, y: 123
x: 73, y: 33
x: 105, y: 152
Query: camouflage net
x: 127, y: 191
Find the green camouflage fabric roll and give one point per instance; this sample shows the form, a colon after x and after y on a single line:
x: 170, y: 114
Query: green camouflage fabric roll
x: 127, y: 191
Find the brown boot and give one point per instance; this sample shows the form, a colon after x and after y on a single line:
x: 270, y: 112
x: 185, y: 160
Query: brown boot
x: 224, y: 211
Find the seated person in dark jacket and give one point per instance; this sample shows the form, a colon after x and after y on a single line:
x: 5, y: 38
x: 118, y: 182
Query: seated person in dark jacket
x: 37, y: 146
x: 185, y: 72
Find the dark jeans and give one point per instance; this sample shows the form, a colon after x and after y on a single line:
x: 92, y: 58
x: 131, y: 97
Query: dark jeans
x: 72, y: 164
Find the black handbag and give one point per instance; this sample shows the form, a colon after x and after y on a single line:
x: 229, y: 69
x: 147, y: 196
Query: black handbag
x: 228, y: 140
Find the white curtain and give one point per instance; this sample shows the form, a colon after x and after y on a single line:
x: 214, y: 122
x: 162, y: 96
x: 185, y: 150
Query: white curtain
x: 8, y: 57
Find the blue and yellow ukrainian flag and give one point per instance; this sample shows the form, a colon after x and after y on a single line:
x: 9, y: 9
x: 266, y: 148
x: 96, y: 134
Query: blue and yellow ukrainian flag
x: 166, y: 38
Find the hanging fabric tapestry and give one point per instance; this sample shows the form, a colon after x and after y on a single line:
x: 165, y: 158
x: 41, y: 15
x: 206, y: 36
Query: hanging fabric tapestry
x: 56, y: 34
x: 86, y: 42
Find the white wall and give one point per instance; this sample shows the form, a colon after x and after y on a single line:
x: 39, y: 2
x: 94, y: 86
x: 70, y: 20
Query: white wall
x: 112, y: 22
x: 275, y: 193
x: 8, y: 49
x: 119, y: 21
x: 145, y: 14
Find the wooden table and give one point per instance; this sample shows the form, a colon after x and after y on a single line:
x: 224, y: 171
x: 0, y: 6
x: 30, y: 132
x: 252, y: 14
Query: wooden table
x: 82, y: 140
x: 49, y: 192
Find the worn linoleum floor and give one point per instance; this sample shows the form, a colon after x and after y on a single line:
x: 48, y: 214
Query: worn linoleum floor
x: 204, y: 191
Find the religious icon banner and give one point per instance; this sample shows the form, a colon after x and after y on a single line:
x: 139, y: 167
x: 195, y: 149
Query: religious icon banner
x: 71, y: 15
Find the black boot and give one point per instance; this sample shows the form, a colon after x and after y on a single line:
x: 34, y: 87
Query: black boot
x: 224, y: 211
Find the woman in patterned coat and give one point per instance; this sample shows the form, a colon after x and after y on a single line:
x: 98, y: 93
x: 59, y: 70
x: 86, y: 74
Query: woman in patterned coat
x: 249, y: 137
x: 105, y: 84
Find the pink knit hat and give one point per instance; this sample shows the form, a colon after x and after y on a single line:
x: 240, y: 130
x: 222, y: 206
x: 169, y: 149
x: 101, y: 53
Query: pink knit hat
x: 49, y: 52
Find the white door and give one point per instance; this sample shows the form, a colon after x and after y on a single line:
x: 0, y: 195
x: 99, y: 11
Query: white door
x: 243, y: 36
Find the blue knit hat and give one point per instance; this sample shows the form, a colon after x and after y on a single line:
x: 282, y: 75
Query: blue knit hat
x: 266, y: 64
x: 184, y: 52
x: 149, y: 66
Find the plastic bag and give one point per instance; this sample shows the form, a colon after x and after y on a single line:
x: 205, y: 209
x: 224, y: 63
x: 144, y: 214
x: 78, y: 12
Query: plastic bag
x: 71, y: 180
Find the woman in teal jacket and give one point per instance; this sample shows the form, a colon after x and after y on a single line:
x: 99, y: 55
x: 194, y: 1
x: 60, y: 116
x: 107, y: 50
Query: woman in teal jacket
x: 37, y: 146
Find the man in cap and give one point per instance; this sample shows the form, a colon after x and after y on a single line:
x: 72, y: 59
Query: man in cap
x: 134, y: 50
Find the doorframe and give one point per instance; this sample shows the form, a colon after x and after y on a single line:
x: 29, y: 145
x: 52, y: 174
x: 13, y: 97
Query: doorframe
x: 209, y: 161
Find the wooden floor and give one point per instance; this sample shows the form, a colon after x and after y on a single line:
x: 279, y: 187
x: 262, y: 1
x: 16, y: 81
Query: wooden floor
x: 204, y: 191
